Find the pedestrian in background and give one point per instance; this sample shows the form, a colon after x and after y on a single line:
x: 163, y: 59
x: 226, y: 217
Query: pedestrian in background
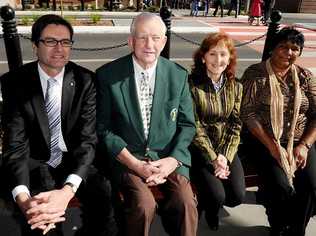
x: 268, y: 6
x: 234, y: 5
x: 206, y: 7
x: 194, y: 8
x: 255, y: 12
x: 217, y: 4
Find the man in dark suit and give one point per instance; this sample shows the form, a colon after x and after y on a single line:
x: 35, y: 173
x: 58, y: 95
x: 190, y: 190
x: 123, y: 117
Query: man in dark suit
x: 49, y: 136
x: 145, y: 121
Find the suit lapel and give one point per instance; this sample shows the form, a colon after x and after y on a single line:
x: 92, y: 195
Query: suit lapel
x: 38, y: 103
x: 158, y: 99
x: 129, y: 93
x: 68, y: 93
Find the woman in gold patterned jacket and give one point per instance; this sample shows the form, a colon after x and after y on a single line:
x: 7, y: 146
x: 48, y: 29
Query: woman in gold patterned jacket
x: 279, y: 109
x: 216, y: 170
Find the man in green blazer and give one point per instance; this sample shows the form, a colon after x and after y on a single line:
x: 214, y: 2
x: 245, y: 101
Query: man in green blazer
x: 145, y: 121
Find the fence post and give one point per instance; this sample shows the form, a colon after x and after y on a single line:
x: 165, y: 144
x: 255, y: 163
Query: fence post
x: 11, y: 38
x: 274, y: 26
x: 165, y: 14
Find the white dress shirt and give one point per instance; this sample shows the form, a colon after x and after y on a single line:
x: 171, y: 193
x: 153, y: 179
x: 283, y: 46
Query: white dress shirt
x: 151, y: 72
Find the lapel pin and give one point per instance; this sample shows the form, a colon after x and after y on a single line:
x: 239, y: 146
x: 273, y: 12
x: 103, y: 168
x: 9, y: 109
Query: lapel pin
x: 72, y: 83
x: 173, y: 114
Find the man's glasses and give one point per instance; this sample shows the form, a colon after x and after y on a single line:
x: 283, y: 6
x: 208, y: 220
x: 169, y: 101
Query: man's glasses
x: 51, y: 42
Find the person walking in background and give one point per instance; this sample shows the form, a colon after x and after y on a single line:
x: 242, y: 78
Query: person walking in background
x: 206, y: 7
x: 216, y: 169
x: 145, y: 120
x: 255, y: 12
x: 279, y: 110
x: 268, y: 6
x: 194, y: 8
x: 49, y: 140
x: 217, y: 4
x: 234, y: 5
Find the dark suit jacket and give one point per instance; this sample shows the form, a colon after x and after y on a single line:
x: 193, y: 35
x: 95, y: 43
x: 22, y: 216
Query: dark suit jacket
x: 119, y: 122
x: 25, y: 123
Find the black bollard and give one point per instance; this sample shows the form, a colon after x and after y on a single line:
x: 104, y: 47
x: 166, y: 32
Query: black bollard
x: 273, y: 29
x: 165, y: 14
x: 11, y: 38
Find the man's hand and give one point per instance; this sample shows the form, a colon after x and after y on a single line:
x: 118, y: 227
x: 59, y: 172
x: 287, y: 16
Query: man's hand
x: 300, y: 154
x: 25, y: 202
x: 166, y: 166
x: 221, y: 169
x: 145, y: 169
x: 50, y: 208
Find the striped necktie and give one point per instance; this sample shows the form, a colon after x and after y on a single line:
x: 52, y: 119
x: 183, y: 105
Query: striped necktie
x: 53, y: 114
x: 146, y: 97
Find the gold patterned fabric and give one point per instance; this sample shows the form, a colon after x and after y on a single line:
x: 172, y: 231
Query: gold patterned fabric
x: 217, y: 118
x: 257, y: 99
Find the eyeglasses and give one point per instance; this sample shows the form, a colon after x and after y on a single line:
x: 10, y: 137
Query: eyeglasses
x: 51, y: 42
x: 144, y: 38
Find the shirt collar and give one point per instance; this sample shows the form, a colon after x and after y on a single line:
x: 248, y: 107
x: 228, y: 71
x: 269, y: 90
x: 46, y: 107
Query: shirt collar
x: 138, y: 69
x: 44, y: 76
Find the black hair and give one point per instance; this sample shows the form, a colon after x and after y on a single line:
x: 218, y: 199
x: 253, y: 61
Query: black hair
x: 289, y: 34
x: 45, y: 20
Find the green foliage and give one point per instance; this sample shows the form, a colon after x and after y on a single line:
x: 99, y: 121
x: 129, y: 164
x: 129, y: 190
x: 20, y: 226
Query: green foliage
x: 35, y: 17
x: 95, y: 18
x: 153, y: 9
x: 25, y: 20
x: 70, y: 19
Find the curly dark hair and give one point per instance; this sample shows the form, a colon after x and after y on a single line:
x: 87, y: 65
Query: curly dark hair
x: 211, y: 40
x: 289, y: 34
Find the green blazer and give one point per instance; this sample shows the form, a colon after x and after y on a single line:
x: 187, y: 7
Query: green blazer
x: 119, y: 122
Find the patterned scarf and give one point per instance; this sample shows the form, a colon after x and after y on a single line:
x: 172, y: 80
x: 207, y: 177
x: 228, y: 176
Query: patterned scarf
x: 276, y: 111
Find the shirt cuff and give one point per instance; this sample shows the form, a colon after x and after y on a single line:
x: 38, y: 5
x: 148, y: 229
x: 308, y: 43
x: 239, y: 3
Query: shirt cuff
x: 74, y: 179
x: 20, y: 189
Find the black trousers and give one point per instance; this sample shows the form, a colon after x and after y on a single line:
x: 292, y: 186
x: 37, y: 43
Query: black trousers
x: 218, y: 4
x: 284, y: 205
x: 213, y: 192
x: 94, y: 195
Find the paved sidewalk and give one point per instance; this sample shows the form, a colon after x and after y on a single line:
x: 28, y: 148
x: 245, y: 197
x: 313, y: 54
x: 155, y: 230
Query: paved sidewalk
x: 182, y: 22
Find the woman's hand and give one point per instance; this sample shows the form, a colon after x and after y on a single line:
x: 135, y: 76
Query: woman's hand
x: 275, y: 151
x: 221, y: 169
x: 300, y: 154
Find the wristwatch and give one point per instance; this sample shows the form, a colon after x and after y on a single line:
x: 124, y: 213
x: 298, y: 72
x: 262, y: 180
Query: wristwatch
x: 307, y: 145
x: 73, y: 187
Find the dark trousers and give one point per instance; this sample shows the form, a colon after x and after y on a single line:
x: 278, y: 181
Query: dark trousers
x: 284, y: 205
x: 177, y: 210
x: 94, y: 195
x: 213, y: 192
x: 216, y: 5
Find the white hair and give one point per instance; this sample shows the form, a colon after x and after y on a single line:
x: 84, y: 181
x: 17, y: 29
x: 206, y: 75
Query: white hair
x: 146, y: 16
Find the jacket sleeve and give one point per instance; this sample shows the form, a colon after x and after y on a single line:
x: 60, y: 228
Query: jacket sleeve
x: 15, y: 139
x: 113, y: 143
